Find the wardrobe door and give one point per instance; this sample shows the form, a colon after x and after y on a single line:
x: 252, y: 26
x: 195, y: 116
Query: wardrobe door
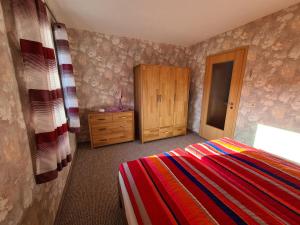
x: 166, y: 98
x: 182, y: 81
x: 150, y: 95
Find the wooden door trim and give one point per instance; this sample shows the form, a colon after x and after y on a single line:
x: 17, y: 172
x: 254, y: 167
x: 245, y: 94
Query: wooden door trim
x: 188, y: 98
x: 242, y: 48
x: 204, y: 94
x: 244, y: 51
x: 141, y: 120
x: 207, y: 83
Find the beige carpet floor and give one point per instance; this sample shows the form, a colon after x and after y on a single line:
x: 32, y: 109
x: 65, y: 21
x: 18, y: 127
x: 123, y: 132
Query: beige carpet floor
x: 91, y: 195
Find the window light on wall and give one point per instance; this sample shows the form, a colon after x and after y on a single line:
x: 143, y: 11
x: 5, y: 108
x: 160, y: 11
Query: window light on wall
x: 277, y: 141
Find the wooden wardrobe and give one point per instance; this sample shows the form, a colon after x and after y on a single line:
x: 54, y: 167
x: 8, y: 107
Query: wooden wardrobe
x: 161, y: 101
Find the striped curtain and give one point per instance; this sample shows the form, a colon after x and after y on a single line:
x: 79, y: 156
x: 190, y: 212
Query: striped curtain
x: 67, y: 76
x: 48, y: 114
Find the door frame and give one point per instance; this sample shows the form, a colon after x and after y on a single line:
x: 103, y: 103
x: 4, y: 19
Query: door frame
x: 206, y: 93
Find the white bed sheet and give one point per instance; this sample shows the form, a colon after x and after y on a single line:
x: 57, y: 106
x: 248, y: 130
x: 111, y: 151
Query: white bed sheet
x: 130, y: 216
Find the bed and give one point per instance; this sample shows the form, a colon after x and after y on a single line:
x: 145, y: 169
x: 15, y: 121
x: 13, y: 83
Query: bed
x: 216, y: 182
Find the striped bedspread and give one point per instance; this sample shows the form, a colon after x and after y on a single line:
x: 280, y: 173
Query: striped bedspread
x: 216, y: 182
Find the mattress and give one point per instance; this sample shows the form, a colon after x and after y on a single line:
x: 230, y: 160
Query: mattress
x: 215, y: 182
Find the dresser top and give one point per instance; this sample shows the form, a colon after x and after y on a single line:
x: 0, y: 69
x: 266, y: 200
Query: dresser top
x: 96, y: 112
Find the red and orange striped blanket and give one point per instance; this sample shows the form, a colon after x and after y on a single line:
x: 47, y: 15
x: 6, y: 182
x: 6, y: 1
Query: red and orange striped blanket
x: 216, y: 182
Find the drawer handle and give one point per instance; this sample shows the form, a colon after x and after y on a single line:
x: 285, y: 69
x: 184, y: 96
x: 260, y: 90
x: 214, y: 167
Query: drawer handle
x: 123, y: 117
x: 121, y: 136
x: 101, y: 129
x: 103, y: 140
x: 101, y: 119
x: 153, y: 131
x: 165, y: 132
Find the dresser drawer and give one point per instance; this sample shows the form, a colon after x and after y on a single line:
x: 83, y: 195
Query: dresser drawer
x: 112, y: 138
x: 100, y: 142
x: 117, y: 132
x: 111, y: 128
x: 99, y: 130
x: 123, y: 138
x: 96, y: 119
x: 165, y: 132
x: 150, y: 134
x: 108, y: 137
x: 179, y: 131
x: 103, y: 128
x: 123, y: 116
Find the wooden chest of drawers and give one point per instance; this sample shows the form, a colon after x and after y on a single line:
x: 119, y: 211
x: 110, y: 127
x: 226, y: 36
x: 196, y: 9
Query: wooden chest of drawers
x: 111, y: 128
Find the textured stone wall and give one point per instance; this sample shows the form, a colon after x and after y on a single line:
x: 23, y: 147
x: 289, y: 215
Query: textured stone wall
x: 103, y: 66
x: 21, y: 200
x: 271, y: 88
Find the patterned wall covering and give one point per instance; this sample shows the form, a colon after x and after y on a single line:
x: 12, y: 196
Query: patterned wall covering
x: 103, y: 66
x: 271, y: 88
x: 21, y: 200
x: 13, y: 156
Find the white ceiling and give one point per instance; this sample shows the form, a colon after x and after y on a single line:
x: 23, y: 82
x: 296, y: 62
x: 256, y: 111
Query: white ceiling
x: 181, y: 22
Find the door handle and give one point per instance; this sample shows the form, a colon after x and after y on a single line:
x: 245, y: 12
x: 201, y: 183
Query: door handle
x: 159, y: 97
x: 231, y: 104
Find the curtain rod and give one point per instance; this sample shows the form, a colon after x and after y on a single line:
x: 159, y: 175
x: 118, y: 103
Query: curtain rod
x: 52, y: 15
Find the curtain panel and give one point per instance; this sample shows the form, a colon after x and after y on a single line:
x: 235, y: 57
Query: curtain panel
x: 67, y: 76
x: 53, y: 150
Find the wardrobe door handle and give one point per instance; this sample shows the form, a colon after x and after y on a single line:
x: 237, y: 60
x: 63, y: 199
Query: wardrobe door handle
x: 159, y: 97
